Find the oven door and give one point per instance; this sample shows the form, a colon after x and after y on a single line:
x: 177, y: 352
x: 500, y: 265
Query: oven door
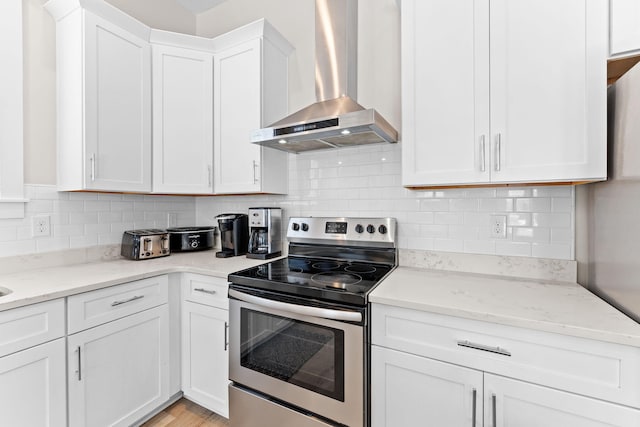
x: 308, y: 357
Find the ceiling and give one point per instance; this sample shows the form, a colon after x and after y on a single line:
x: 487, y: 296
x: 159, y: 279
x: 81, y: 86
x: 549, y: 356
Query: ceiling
x: 199, y: 6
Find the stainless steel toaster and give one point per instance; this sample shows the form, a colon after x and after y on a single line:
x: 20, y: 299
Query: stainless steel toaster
x: 145, y: 244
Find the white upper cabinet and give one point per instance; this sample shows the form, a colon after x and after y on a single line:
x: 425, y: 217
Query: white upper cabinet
x: 250, y: 87
x: 503, y: 91
x: 182, y: 118
x: 624, y: 21
x: 104, y: 99
x: 445, y: 92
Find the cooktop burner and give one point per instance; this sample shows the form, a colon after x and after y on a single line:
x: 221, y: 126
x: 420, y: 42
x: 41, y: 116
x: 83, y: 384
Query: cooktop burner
x: 343, y: 281
x: 331, y: 259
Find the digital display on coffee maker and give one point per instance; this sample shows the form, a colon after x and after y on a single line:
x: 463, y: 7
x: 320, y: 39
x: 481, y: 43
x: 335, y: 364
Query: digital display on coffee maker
x: 335, y: 228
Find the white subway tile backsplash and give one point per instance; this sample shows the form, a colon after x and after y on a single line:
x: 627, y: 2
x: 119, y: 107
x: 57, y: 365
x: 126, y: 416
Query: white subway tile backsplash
x: 543, y: 250
x: 447, y: 245
x: 562, y: 204
x: 464, y: 205
x: 531, y: 234
x: 87, y: 219
x: 434, y: 205
x: 435, y: 231
x: 359, y: 181
x: 420, y: 243
x: 509, y: 248
x: 479, y: 246
x: 455, y: 218
x: 552, y: 191
x: 533, y: 205
x: 495, y: 205
x: 519, y: 220
x: 561, y: 235
x: 551, y: 219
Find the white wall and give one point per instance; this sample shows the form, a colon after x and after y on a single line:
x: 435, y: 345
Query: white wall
x: 160, y: 14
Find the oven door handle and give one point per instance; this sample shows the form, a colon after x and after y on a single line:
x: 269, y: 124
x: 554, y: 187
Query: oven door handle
x: 326, y: 313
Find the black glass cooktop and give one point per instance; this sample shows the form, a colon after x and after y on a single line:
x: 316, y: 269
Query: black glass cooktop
x: 338, y: 281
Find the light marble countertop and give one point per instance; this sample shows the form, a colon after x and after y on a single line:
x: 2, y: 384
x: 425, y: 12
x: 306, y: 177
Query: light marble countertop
x: 29, y: 287
x: 564, y: 308
x: 560, y: 307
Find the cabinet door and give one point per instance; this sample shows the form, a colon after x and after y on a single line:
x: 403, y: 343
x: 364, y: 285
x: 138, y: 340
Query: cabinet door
x: 33, y: 387
x: 205, y: 371
x: 548, y: 90
x: 119, y: 372
x: 445, y: 92
x: 117, y: 108
x: 182, y: 120
x: 408, y: 391
x: 516, y: 403
x: 625, y: 27
x: 237, y: 109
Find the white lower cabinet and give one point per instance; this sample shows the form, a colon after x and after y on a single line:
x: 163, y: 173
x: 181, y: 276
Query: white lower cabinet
x: 521, y: 404
x: 451, y: 371
x: 33, y: 387
x: 32, y: 366
x: 118, y: 371
x: 409, y: 389
x: 205, y: 372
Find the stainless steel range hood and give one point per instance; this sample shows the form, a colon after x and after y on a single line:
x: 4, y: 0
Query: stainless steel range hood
x: 336, y: 120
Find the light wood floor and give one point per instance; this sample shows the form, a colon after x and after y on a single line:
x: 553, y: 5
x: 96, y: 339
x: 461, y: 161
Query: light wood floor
x: 184, y: 413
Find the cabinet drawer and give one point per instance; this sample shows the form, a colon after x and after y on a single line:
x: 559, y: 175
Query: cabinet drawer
x: 25, y: 327
x: 594, y: 368
x: 206, y: 290
x: 97, y: 307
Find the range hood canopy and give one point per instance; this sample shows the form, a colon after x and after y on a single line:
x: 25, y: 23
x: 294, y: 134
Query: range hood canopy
x: 336, y: 120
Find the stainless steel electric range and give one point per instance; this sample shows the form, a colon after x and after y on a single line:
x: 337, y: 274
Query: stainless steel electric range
x: 298, y: 343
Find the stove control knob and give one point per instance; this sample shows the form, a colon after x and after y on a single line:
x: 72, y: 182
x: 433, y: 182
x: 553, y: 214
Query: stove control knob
x: 305, y: 226
x: 295, y: 226
x: 382, y: 229
x: 359, y: 228
x: 371, y: 229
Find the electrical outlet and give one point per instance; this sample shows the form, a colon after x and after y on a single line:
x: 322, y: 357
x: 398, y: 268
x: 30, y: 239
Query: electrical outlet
x: 499, y: 226
x: 41, y: 226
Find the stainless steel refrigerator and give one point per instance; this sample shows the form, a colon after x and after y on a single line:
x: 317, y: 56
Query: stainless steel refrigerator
x: 608, y: 213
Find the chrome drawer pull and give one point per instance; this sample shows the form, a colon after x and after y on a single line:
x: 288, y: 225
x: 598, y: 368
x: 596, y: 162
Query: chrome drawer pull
x: 206, y: 291
x: 496, y: 350
x: 137, y: 297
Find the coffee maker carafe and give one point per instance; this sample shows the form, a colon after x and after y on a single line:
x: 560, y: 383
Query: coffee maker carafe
x: 234, y: 235
x: 264, y: 233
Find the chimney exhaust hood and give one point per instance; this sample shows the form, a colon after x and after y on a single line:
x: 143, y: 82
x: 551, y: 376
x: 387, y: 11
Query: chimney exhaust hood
x: 336, y: 120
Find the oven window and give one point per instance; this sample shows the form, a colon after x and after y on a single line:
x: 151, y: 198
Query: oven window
x: 305, y: 354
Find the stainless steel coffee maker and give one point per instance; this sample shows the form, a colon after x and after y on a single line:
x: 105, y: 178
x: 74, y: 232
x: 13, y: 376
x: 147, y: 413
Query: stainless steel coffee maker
x: 265, y: 237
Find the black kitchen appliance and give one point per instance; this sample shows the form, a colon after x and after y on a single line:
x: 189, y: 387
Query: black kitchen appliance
x: 265, y: 240
x: 298, y: 341
x: 145, y: 244
x: 234, y: 235
x: 185, y: 239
